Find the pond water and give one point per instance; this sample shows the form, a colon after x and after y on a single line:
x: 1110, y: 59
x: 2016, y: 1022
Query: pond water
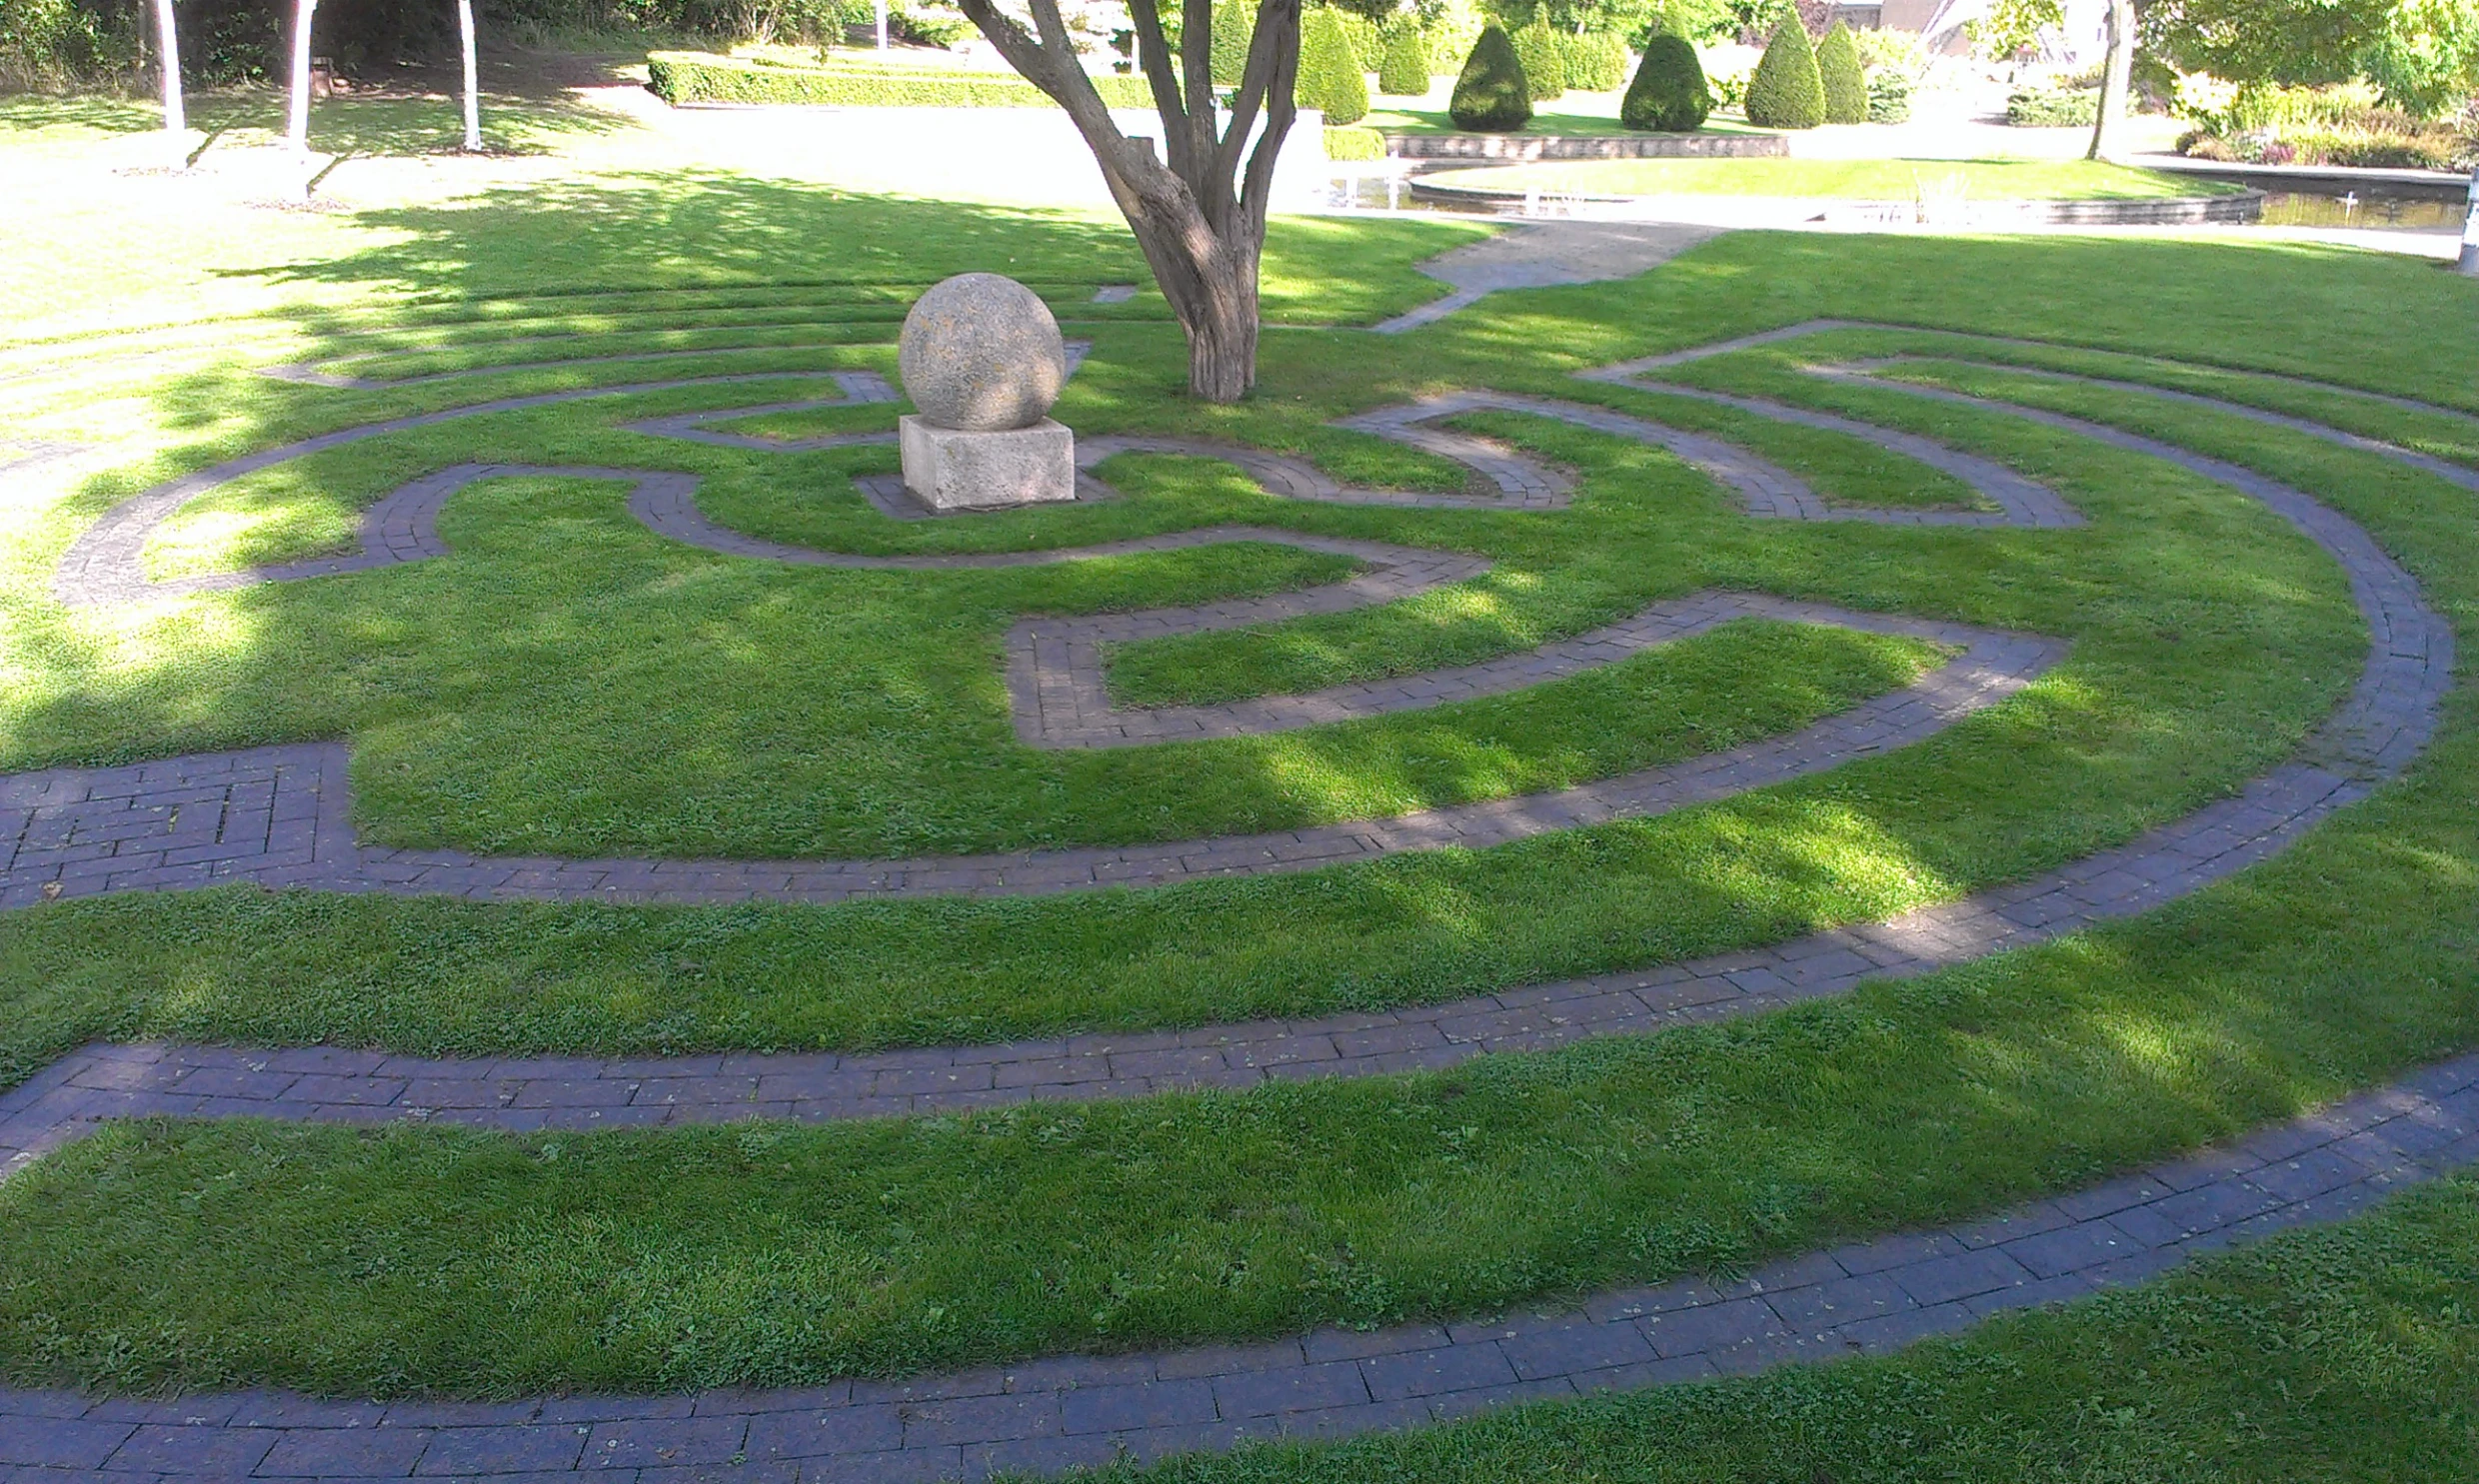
x: 1392, y: 193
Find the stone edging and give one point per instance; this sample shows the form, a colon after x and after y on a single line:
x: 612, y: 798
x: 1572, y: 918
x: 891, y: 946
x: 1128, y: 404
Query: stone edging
x: 1048, y: 1416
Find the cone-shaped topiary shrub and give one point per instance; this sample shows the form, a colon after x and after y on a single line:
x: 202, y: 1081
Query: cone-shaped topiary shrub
x: 1787, y: 91
x: 1543, y: 51
x: 1235, y: 24
x: 1404, y: 72
x: 1330, y: 75
x: 1596, y: 62
x: 1846, y: 86
x: 1490, y: 93
x: 1668, y: 93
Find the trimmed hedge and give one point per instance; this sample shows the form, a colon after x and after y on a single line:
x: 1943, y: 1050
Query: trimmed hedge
x: 1596, y: 62
x: 1355, y: 142
x: 1668, y: 93
x: 1404, y: 72
x: 2045, y: 108
x: 1787, y: 91
x: 1234, y: 26
x: 1541, y: 52
x: 1846, y: 86
x: 1330, y: 74
x: 1490, y: 93
x: 701, y: 77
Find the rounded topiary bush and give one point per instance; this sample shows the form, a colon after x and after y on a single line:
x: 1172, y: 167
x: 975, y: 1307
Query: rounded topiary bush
x: 1787, y: 91
x: 1491, y: 94
x: 1330, y: 75
x: 1668, y: 93
x: 1234, y: 25
x: 1845, y: 84
x: 1404, y: 71
x: 1596, y: 62
x: 1542, y: 53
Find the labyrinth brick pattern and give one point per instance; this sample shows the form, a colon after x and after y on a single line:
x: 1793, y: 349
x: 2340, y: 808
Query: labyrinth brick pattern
x: 281, y: 815
x: 1048, y: 1415
x: 250, y: 816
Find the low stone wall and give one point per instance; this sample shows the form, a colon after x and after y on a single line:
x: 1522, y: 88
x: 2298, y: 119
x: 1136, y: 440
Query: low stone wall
x: 1520, y: 147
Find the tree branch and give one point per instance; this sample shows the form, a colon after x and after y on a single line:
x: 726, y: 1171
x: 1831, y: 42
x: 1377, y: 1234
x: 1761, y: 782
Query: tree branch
x: 1154, y: 55
x: 1267, y: 83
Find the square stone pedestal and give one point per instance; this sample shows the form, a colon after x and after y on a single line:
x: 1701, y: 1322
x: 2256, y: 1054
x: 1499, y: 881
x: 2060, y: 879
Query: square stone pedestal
x: 946, y: 470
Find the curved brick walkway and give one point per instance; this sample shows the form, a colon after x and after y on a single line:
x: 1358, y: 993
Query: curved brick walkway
x: 1629, y: 371
x: 1047, y: 1415
x: 105, y: 565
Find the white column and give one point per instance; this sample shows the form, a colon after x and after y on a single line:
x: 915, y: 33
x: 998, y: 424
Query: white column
x: 2470, y: 229
x: 473, y: 76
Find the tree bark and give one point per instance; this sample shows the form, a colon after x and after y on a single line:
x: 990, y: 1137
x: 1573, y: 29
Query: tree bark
x: 297, y: 123
x: 176, y: 118
x: 473, y: 77
x: 1199, y: 210
x: 2116, y: 77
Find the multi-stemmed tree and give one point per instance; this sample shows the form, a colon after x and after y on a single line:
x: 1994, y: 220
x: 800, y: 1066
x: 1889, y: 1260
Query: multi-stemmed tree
x: 1198, y: 208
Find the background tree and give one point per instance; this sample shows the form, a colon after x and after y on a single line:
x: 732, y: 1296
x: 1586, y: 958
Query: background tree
x: 1596, y: 62
x: 1404, y: 72
x: 1669, y: 92
x: 297, y: 117
x: 168, y: 42
x: 1330, y: 74
x: 1846, y: 81
x: 1490, y: 93
x: 1234, y: 21
x: 473, y: 76
x: 1787, y: 91
x: 2116, y: 72
x: 1199, y: 214
x: 1542, y: 53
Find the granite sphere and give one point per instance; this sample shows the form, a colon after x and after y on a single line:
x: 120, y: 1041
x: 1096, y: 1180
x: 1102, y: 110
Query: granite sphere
x: 981, y: 354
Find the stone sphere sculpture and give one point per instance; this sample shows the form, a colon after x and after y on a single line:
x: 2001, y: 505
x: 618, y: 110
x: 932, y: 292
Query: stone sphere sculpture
x: 981, y: 354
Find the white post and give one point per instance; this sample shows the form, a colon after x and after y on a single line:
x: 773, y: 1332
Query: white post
x: 2470, y: 229
x: 297, y: 126
x: 176, y: 120
x: 882, y: 26
x: 473, y: 77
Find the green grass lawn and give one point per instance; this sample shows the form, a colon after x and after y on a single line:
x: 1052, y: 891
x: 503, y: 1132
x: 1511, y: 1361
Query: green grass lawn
x: 1849, y: 180
x: 565, y: 681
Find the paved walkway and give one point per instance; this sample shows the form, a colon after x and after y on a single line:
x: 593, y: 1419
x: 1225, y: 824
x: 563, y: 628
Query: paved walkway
x: 1048, y: 1416
x: 1541, y: 254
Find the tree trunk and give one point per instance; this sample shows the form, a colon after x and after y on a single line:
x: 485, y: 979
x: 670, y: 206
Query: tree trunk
x: 176, y: 119
x: 473, y: 77
x: 2116, y: 77
x: 1199, y: 213
x: 297, y: 123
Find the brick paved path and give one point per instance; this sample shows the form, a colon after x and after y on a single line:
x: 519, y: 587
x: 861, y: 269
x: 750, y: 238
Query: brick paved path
x: 1046, y: 1415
